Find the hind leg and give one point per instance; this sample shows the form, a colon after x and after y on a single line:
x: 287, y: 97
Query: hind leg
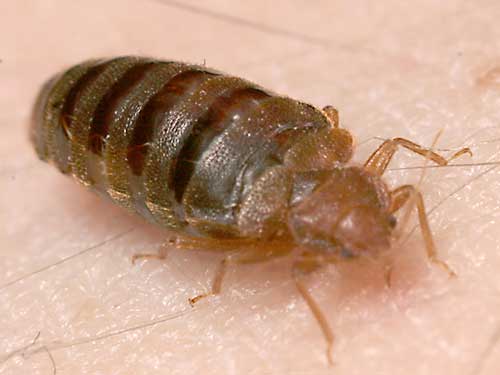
x: 161, y: 254
x: 187, y: 242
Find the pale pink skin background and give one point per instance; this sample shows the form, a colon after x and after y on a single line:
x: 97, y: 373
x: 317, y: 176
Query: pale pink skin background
x: 390, y: 69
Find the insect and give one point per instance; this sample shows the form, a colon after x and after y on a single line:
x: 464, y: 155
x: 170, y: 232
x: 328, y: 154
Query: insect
x: 226, y: 164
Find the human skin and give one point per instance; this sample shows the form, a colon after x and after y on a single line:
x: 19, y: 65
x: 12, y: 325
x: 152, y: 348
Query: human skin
x: 391, y: 70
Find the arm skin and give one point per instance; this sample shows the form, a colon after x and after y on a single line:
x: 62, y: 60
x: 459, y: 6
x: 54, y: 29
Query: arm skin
x: 391, y: 70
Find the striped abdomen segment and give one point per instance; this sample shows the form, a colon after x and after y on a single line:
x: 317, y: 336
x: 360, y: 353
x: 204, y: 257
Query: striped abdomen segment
x: 177, y: 143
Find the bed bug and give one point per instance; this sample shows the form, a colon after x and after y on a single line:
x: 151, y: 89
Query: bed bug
x: 224, y: 163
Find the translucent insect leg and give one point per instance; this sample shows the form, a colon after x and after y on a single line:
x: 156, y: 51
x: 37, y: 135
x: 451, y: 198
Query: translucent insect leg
x: 186, y: 242
x: 216, y: 283
x: 404, y: 194
x: 161, y: 254
x: 300, y: 269
x: 379, y: 160
x: 388, y: 270
x: 253, y: 252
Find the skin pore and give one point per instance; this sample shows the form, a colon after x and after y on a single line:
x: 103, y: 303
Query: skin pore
x: 72, y: 300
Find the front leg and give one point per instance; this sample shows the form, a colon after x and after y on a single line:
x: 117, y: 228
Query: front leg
x: 305, y: 265
x: 404, y: 194
x: 379, y: 160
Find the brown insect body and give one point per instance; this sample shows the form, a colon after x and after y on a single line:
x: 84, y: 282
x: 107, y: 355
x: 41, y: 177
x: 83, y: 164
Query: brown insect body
x: 222, y: 160
x: 186, y: 147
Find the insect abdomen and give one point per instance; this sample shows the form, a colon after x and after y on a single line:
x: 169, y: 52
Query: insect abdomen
x: 178, y: 143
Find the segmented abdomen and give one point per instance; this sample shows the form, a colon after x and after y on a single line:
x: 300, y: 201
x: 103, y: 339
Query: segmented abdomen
x: 178, y: 143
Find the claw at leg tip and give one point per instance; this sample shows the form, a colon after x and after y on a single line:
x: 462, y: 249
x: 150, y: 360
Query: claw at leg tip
x: 451, y: 274
x: 194, y: 300
x: 329, y: 355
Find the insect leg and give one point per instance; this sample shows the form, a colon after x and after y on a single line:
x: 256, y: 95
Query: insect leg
x: 216, y: 283
x: 186, y: 242
x: 388, y: 269
x: 402, y: 195
x: 299, y: 270
x: 161, y: 254
x: 380, y: 158
x: 255, y: 252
